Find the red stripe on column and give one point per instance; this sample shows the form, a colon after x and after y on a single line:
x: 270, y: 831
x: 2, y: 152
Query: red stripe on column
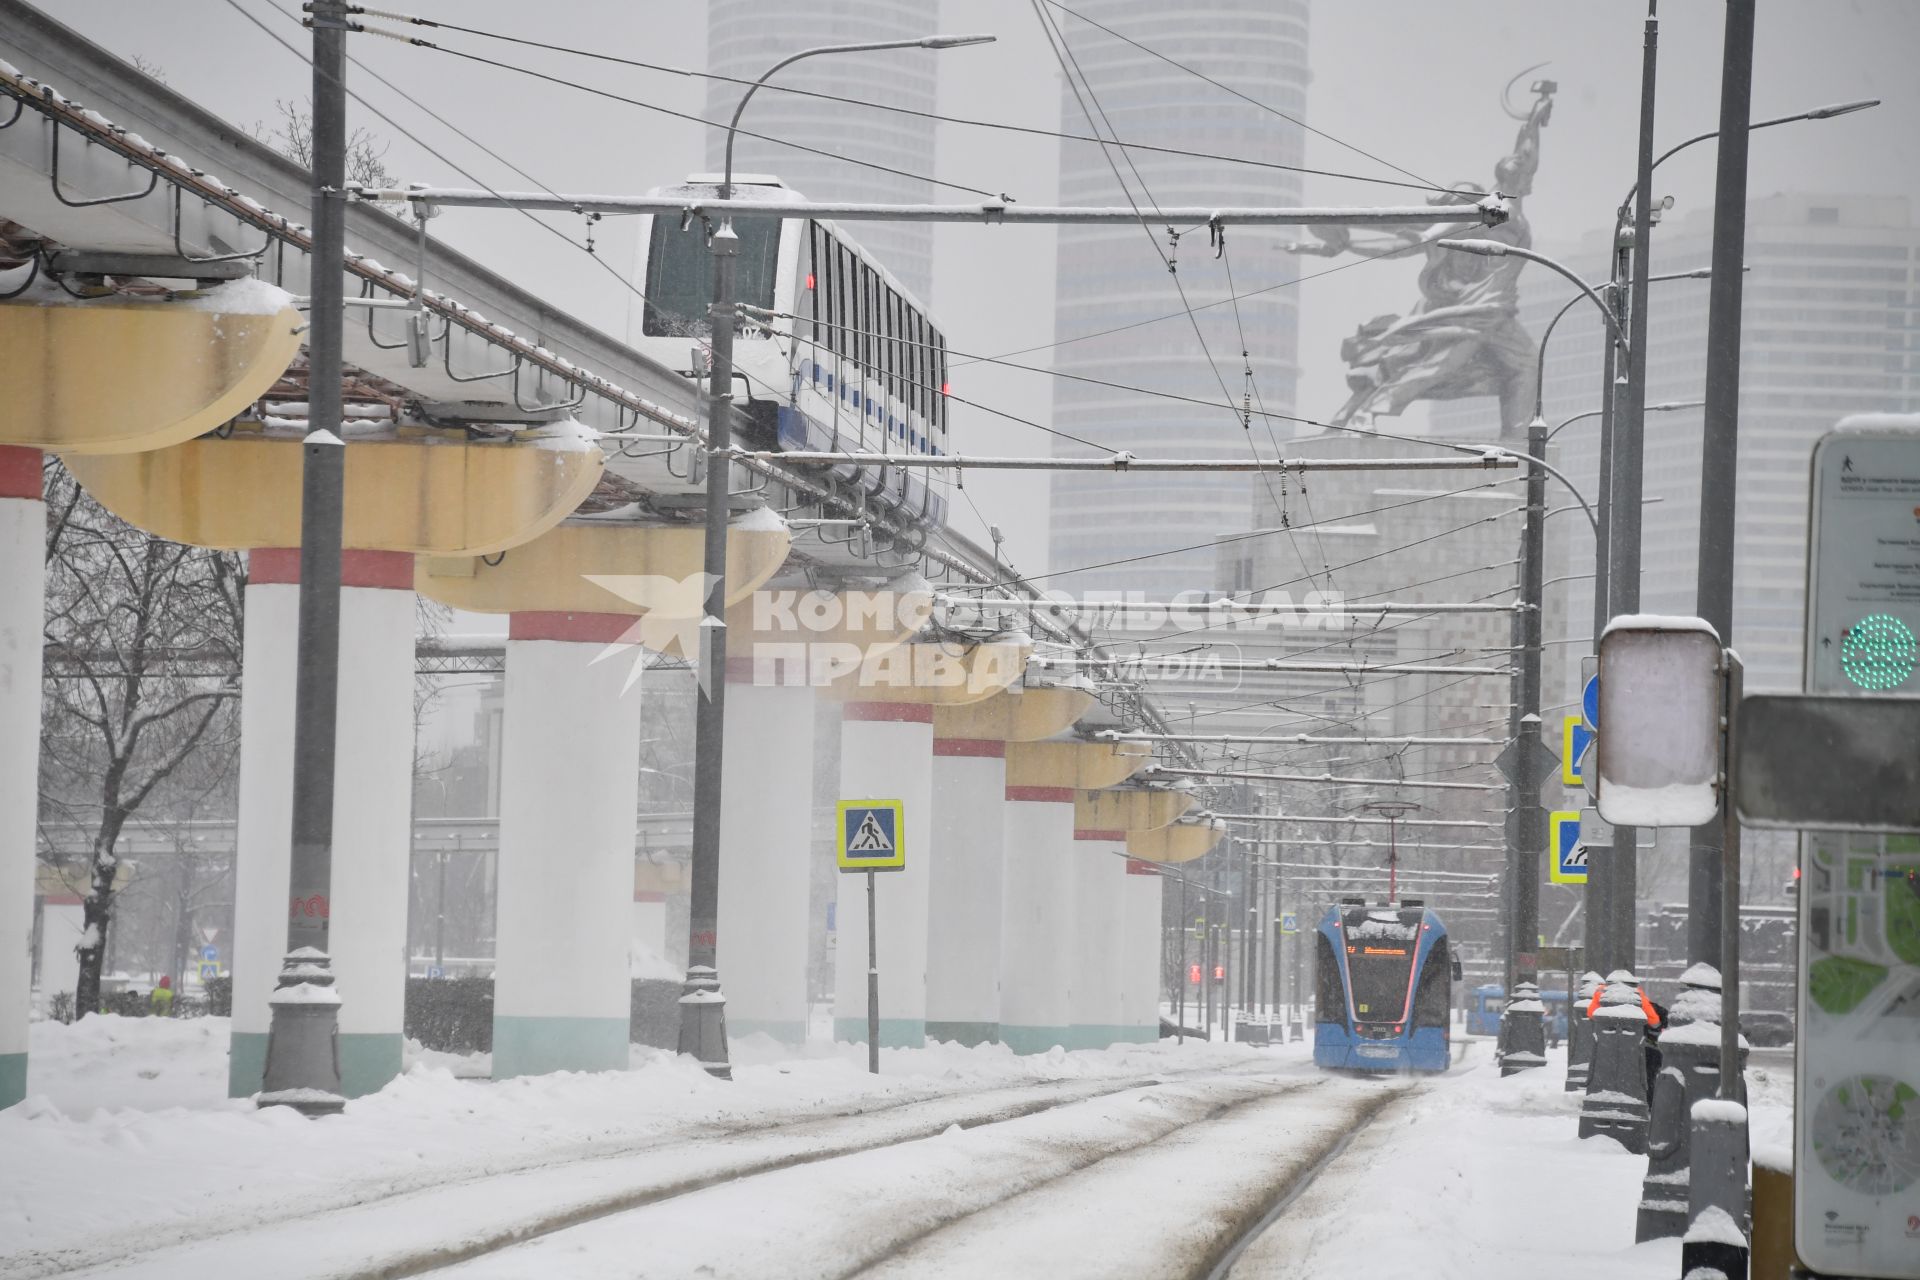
x: 580, y: 628
x: 649, y: 895
x: 19, y: 472
x: 382, y: 570
x: 992, y: 747
x: 1050, y: 795
x: 899, y: 712
x: 1135, y: 867
x: 1116, y: 837
x: 63, y: 900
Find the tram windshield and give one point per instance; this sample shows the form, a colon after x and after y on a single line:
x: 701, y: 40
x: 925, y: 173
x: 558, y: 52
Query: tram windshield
x: 1380, y: 953
x: 679, y: 285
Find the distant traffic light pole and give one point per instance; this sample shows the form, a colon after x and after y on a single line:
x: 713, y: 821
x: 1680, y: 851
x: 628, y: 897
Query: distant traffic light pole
x: 703, y: 1017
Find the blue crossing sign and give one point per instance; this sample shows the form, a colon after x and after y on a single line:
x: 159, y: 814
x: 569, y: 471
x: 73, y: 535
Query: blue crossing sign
x: 1569, y: 855
x: 1289, y: 922
x: 1575, y: 738
x: 872, y: 835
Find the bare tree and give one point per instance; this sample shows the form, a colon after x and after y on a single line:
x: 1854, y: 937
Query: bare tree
x: 292, y: 136
x: 140, y: 696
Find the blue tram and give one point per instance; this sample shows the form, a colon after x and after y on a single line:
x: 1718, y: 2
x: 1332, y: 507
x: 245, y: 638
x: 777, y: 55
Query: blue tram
x: 1488, y: 1002
x: 1384, y: 988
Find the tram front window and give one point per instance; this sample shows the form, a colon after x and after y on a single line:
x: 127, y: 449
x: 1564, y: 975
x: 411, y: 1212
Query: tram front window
x: 1379, y: 973
x: 679, y: 284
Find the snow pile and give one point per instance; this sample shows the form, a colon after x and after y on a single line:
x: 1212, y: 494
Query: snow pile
x: 245, y: 297
x: 759, y: 520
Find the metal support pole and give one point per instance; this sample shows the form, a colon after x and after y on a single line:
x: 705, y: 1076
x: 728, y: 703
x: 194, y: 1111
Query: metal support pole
x: 1629, y: 437
x: 703, y: 1007
x: 873, y: 982
x: 303, y: 1054
x: 1731, y: 1087
x: 1719, y: 433
x: 1181, y: 970
x: 440, y: 916
x: 1522, y: 1035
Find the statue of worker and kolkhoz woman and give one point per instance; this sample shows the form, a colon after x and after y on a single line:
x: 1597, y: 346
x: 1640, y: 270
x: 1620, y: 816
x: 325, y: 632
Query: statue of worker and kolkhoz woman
x: 1464, y: 337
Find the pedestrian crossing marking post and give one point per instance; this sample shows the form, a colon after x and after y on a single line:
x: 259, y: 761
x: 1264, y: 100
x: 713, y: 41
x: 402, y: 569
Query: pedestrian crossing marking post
x: 872, y: 838
x: 1569, y: 864
x: 1575, y: 737
x: 872, y: 835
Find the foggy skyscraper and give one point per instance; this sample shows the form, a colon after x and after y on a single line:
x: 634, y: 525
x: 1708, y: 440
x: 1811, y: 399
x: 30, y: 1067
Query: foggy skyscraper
x: 745, y: 38
x: 1110, y: 277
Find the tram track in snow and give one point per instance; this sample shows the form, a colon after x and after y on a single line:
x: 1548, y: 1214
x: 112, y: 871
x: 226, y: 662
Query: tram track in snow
x: 416, y: 1217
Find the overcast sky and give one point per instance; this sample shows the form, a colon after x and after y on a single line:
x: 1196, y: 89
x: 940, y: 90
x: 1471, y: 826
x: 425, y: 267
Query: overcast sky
x: 1415, y: 83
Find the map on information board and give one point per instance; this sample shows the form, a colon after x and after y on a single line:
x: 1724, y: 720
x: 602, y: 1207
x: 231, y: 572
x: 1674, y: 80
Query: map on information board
x: 1857, y: 1189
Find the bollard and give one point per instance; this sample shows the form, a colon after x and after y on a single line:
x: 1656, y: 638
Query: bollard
x: 1616, y: 1102
x: 1771, y: 1256
x: 1717, y: 1193
x: 1523, y: 1031
x: 1689, y: 1073
x: 1580, y: 1033
x: 305, y: 1036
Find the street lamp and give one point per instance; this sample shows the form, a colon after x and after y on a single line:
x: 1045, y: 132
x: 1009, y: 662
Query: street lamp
x: 703, y: 1023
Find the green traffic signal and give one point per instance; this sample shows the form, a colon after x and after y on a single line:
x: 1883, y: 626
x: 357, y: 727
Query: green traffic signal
x: 1877, y: 652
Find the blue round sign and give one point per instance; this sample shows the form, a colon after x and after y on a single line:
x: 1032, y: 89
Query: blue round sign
x: 1590, y: 701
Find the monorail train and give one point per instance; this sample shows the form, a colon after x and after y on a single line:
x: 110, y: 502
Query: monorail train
x: 1384, y: 986
x: 853, y: 363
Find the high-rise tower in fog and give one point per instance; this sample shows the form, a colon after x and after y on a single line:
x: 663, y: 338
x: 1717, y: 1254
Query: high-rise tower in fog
x: 745, y: 37
x: 1111, y: 276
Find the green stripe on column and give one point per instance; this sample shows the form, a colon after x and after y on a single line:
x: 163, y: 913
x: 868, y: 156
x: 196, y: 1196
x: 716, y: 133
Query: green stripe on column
x: 368, y: 1061
x: 966, y: 1033
x: 791, y: 1032
x: 13, y: 1078
x: 1099, y: 1036
x: 1035, y: 1039
x: 895, y: 1033
x: 246, y: 1064
x: 536, y: 1046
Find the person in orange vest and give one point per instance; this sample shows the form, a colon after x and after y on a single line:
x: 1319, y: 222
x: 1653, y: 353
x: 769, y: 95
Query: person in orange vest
x: 162, y: 998
x: 1647, y: 1006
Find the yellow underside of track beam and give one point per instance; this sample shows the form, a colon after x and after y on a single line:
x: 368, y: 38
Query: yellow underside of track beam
x: 1014, y: 715
x: 1128, y: 809
x: 433, y: 496
x: 112, y: 377
x: 604, y: 568
x: 1181, y: 842
x: 1082, y: 766
x: 944, y: 674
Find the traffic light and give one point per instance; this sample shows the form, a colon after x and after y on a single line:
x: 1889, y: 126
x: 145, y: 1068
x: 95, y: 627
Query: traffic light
x: 1193, y: 974
x: 1219, y: 972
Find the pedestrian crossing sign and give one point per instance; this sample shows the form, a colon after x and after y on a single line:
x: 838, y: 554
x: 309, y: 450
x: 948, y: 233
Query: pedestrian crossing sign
x: 1569, y: 855
x: 872, y: 835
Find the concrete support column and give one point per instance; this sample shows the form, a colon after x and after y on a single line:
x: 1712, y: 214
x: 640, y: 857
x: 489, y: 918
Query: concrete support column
x: 569, y: 789
x: 372, y: 815
x: 23, y: 541
x: 886, y: 753
x: 1140, y: 890
x: 766, y: 852
x: 1099, y: 868
x: 968, y: 866
x: 1037, y: 924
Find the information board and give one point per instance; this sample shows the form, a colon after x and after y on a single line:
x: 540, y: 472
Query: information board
x: 1857, y: 1077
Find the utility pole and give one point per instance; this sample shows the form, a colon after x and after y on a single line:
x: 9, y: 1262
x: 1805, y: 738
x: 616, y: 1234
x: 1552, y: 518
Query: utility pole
x: 303, y: 1056
x: 1719, y: 440
x: 1629, y: 439
x: 1522, y: 1034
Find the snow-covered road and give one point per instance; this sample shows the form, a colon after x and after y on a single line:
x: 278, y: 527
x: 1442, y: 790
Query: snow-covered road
x: 1143, y: 1161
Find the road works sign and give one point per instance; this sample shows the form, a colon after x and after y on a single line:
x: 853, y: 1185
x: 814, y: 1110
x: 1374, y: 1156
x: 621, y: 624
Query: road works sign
x: 1569, y: 855
x: 872, y: 835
